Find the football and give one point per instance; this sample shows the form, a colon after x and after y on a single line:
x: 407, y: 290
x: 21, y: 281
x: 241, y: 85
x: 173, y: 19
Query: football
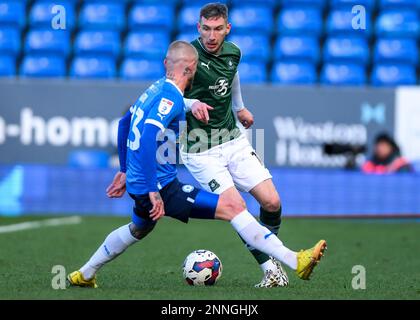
x: 202, y: 268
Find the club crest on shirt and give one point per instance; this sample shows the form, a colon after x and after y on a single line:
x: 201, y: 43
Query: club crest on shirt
x: 165, y: 106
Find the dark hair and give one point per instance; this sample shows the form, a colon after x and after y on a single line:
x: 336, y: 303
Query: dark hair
x: 214, y: 10
x: 385, y: 137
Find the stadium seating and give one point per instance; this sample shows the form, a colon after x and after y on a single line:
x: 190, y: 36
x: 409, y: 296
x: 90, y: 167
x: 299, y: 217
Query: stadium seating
x: 141, y: 69
x: 398, y: 23
x: 102, y: 15
x: 393, y: 74
x: 346, y: 49
x: 338, y: 4
x: 41, y: 14
x: 7, y: 66
x: 343, y: 74
x: 320, y: 4
x: 297, y: 47
x: 153, y: 16
x: 294, y: 40
x: 150, y: 44
x: 302, y: 21
x: 12, y: 13
x: 93, y: 67
x: 293, y: 73
x: 251, y: 19
x: 252, y: 72
x: 267, y: 3
x: 43, y: 66
x: 48, y: 41
x: 252, y: 46
x: 188, y: 18
x: 396, y: 50
x: 187, y: 36
x: 97, y: 42
x: 397, y: 4
x: 340, y: 22
x: 9, y: 41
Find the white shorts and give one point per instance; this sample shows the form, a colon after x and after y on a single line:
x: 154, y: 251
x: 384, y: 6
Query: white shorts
x: 233, y: 163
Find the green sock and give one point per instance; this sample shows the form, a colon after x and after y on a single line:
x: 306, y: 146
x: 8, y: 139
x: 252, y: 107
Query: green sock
x: 271, y: 220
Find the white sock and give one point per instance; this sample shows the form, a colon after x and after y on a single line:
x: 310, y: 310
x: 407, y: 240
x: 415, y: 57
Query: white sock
x: 268, y: 265
x: 262, y: 239
x: 115, y: 244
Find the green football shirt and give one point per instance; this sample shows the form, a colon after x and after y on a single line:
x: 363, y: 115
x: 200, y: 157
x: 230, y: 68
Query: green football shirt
x: 213, y: 85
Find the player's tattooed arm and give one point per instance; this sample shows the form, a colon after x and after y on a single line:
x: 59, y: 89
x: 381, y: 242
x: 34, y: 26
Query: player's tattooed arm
x: 158, y: 210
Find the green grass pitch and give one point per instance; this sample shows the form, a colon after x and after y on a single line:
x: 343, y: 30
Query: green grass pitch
x: 389, y: 250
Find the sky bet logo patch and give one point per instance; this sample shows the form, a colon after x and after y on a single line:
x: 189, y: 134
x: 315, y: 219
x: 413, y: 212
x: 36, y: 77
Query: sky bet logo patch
x: 165, y: 106
x: 213, y: 184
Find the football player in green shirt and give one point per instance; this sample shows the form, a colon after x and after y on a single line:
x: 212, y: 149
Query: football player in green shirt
x: 214, y: 149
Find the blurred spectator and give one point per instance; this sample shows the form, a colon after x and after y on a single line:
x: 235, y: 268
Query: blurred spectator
x: 386, y: 157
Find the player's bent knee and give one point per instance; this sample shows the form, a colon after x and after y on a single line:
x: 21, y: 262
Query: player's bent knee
x: 272, y: 204
x: 228, y: 208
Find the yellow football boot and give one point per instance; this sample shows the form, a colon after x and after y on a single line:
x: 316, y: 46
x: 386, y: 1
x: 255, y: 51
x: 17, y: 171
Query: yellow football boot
x: 308, y: 259
x: 76, y: 279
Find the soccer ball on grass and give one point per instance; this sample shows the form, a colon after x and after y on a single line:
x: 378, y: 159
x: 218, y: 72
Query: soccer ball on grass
x: 202, y: 267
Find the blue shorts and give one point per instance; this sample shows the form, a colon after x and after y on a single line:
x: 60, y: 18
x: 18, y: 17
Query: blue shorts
x: 181, y: 201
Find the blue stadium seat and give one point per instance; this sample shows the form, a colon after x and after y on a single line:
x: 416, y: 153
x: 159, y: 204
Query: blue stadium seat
x: 300, y: 21
x: 346, y: 49
x: 393, y: 74
x: 41, y: 13
x: 12, y: 13
x: 159, y: 15
x: 141, y: 69
x: 188, y: 17
x: 343, y: 74
x: 320, y: 4
x: 296, y: 48
x: 398, y: 23
x: 48, y: 41
x: 396, y: 50
x: 238, y: 3
x: 170, y: 2
x: 367, y: 4
x: 104, y: 15
x: 340, y: 22
x: 7, y: 66
x: 200, y: 2
x: 152, y: 44
x: 253, y: 46
x: 398, y: 4
x: 188, y: 36
x: 252, y: 18
x: 93, y: 67
x: 293, y: 73
x: 9, y: 41
x: 252, y: 72
x: 98, y: 42
x: 43, y: 66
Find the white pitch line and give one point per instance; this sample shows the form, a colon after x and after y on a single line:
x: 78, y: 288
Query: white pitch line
x: 39, y: 224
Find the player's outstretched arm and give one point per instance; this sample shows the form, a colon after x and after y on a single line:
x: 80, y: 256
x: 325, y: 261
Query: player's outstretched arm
x: 117, y: 188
